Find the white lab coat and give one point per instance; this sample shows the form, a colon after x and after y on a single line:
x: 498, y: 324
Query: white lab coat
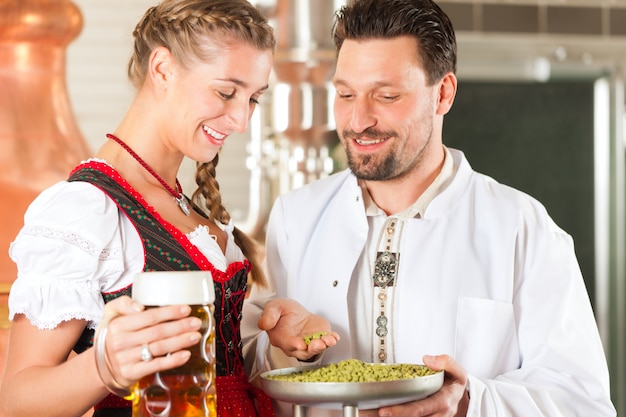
x: 485, y: 276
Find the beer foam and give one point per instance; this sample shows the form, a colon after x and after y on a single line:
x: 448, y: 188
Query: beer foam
x: 161, y: 288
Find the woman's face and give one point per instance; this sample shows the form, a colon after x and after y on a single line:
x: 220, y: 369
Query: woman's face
x: 207, y: 101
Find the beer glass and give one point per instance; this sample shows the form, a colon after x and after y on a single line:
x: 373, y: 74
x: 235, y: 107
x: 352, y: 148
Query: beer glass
x: 189, y: 390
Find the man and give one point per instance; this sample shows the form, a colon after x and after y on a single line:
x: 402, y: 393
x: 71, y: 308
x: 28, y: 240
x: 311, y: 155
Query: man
x: 410, y: 253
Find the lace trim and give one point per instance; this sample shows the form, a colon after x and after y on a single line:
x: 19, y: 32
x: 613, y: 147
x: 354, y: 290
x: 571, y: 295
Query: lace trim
x: 107, y: 254
x: 71, y: 238
x: 47, y: 302
x: 91, y: 319
x: 100, y: 160
x: 200, y: 230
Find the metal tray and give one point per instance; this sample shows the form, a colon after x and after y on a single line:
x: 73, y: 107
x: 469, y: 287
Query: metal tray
x: 338, y: 395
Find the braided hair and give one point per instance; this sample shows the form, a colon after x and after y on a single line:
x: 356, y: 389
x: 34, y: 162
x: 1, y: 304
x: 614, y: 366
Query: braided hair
x: 197, y: 31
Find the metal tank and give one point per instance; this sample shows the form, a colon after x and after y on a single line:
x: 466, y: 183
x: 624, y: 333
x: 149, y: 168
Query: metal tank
x: 293, y: 134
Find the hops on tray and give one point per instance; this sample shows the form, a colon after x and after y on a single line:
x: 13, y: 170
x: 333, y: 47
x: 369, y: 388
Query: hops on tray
x: 353, y: 370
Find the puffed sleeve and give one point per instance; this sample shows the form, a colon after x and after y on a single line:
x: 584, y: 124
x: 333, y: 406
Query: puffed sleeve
x: 68, y: 252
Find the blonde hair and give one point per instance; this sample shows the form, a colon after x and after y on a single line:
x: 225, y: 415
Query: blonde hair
x: 188, y: 29
x: 197, y: 30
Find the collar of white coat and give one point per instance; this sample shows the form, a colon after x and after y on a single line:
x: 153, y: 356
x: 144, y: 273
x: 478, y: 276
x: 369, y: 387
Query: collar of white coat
x: 417, y: 209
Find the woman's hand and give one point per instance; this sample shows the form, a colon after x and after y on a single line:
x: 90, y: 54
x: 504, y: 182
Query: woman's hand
x: 451, y: 400
x: 165, y: 331
x: 287, y: 323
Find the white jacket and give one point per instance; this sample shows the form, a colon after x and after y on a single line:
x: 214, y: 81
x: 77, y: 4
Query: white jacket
x: 485, y: 276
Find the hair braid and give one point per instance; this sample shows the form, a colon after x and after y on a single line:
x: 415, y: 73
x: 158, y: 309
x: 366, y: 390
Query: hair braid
x: 208, y: 195
x: 208, y: 192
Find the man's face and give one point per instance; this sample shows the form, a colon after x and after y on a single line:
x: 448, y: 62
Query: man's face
x: 384, y: 109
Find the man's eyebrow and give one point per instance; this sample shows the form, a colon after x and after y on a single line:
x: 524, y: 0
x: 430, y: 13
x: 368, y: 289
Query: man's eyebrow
x: 374, y: 84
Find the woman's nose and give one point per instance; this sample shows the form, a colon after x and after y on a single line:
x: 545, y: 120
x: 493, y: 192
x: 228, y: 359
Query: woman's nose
x: 238, y: 116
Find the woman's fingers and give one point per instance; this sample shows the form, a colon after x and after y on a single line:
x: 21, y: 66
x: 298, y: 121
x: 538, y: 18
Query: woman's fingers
x: 120, y: 306
x: 134, y: 321
x: 138, y: 368
x: 151, y: 326
x: 167, y: 331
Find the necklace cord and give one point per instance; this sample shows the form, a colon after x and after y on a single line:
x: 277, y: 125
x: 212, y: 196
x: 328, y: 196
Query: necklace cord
x: 177, y: 194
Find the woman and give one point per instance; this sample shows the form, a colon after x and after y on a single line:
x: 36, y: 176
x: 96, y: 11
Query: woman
x: 199, y: 67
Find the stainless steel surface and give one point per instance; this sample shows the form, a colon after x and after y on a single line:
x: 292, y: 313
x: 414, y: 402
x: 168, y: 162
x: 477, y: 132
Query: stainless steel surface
x: 294, y: 128
x: 338, y: 395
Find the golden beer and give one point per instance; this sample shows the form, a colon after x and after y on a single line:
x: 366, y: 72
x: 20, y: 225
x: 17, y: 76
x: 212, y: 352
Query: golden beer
x: 189, y: 390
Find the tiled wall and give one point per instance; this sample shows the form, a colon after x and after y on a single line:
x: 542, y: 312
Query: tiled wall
x: 96, y: 64
x: 595, y: 18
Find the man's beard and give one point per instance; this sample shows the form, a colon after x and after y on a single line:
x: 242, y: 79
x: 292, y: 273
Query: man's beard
x: 394, y: 163
x: 371, y: 167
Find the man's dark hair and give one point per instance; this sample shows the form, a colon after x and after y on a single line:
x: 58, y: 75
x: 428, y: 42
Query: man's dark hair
x: 383, y: 19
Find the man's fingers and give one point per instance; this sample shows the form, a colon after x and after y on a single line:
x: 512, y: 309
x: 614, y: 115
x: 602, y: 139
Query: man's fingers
x: 445, y: 363
x: 268, y: 318
x: 438, y: 363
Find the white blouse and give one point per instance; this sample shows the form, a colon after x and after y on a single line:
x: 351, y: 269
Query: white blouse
x: 75, y: 245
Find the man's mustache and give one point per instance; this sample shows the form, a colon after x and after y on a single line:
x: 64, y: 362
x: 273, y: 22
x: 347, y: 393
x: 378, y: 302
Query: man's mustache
x: 369, y: 133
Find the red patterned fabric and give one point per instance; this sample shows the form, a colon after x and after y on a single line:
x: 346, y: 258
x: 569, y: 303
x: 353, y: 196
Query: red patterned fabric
x: 112, y: 401
x: 236, y: 397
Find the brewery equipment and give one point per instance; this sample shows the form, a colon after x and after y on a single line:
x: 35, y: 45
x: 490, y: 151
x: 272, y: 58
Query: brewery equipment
x: 293, y: 133
x: 40, y: 138
x: 41, y: 141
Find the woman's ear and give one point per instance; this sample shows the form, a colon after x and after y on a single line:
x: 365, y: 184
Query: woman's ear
x: 160, y: 67
x: 447, y: 92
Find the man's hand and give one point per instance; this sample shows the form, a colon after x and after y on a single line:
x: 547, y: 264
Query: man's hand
x: 287, y: 323
x: 451, y: 400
